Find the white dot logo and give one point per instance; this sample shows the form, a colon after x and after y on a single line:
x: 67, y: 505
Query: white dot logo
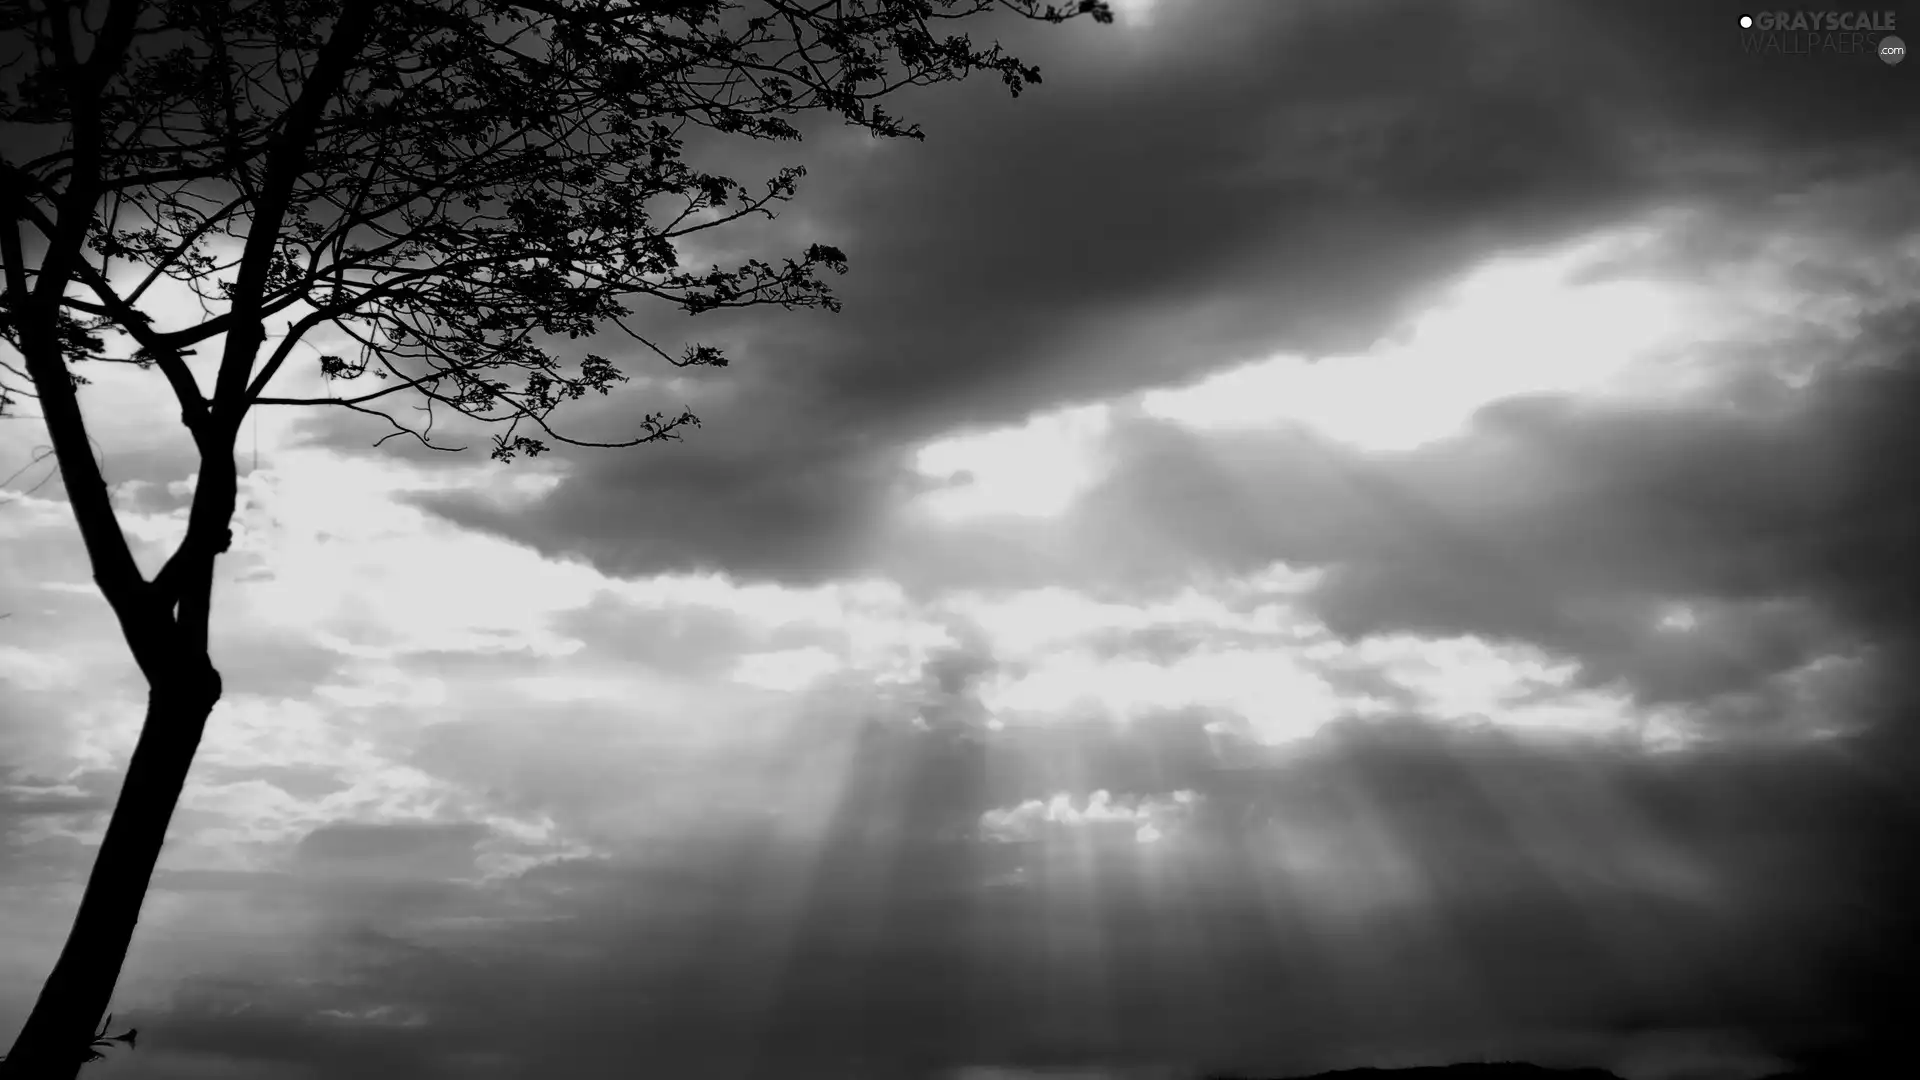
x: 1746, y: 22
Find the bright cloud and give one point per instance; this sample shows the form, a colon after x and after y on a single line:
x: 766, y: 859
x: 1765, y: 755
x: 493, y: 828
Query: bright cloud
x: 310, y: 523
x: 1274, y: 667
x: 1517, y: 325
x: 1149, y: 818
x: 1470, y: 679
x: 1280, y: 697
x: 1031, y: 620
x: 790, y: 669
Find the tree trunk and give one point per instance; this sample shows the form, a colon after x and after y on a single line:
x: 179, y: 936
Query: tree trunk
x: 54, y: 1043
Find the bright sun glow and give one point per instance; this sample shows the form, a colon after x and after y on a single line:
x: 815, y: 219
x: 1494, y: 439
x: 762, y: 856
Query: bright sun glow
x: 1134, y: 12
x: 1518, y: 325
x: 1034, y: 470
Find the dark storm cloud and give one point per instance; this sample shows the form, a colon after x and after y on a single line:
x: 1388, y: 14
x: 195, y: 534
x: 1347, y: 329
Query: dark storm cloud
x: 1546, y: 891
x: 785, y: 494
x: 1230, y: 181
x: 1021, y: 259
x: 1573, y: 526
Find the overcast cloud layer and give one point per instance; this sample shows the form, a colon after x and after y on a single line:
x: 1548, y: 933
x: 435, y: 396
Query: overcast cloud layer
x: 1326, y: 534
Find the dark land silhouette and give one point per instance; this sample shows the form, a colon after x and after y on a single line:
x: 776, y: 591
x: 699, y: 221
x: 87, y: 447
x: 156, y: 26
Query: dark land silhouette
x: 1850, y: 1065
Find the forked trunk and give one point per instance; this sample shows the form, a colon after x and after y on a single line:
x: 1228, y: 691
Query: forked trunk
x: 54, y: 1043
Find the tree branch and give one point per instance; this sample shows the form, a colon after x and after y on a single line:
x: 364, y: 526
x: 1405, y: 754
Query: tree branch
x: 114, y: 569
x: 284, y: 165
x: 171, y: 362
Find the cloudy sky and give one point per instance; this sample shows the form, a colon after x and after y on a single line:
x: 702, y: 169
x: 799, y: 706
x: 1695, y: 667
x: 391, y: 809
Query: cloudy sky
x: 1326, y: 534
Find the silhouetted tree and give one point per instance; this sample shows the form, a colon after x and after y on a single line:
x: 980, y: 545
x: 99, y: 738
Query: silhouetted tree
x: 457, y: 186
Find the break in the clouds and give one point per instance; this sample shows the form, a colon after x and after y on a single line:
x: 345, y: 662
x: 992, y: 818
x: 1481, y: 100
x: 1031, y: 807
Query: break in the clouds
x: 1326, y: 534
